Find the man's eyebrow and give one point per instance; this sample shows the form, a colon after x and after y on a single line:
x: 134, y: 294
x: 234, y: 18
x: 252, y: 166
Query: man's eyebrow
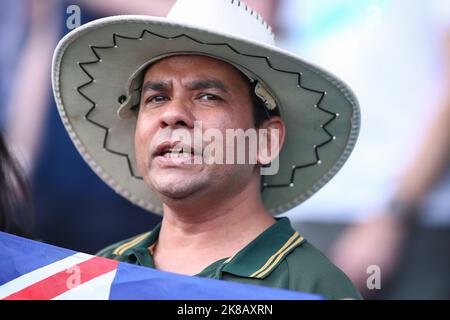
x: 206, y: 84
x: 192, y: 85
x: 156, y: 86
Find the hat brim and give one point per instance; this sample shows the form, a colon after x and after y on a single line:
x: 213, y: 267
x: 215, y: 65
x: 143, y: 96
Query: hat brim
x: 92, y: 66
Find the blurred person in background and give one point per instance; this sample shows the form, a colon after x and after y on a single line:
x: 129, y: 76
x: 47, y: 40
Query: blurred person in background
x: 38, y: 138
x: 382, y: 240
x: 391, y: 53
x: 15, y: 196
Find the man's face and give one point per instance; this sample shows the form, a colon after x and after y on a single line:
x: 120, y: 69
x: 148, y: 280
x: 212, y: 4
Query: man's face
x: 176, y: 92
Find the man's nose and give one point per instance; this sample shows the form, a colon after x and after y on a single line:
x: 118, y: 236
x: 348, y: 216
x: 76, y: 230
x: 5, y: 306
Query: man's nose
x: 177, y: 113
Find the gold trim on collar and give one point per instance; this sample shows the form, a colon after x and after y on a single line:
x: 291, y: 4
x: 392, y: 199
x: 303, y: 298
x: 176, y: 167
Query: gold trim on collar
x: 281, y: 252
x: 281, y: 256
x: 120, y: 250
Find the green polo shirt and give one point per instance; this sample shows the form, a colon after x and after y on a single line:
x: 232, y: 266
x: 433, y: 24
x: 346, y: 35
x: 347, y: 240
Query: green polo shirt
x: 279, y: 257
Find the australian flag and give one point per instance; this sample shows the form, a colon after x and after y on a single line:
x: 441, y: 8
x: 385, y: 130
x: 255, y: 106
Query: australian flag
x: 38, y: 271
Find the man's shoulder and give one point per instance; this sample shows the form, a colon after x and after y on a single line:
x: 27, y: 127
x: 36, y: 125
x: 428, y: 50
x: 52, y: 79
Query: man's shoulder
x: 312, y: 271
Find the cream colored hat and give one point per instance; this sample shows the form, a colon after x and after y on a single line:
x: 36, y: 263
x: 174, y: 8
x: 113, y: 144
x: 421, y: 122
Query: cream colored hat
x: 96, y: 76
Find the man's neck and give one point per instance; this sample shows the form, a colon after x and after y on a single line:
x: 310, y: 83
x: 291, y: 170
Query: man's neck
x: 188, y: 242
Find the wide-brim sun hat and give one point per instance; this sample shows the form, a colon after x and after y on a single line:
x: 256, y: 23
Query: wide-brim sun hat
x: 97, y: 71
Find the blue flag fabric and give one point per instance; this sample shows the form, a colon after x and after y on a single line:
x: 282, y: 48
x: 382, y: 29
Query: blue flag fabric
x: 35, y: 270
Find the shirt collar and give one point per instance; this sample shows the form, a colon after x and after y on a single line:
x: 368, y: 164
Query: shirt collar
x: 260, y: 257
x: 256, y: 260
x: 138, y: 247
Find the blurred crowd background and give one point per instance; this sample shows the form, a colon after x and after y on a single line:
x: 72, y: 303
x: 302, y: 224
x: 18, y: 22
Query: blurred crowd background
x: 389, y: 206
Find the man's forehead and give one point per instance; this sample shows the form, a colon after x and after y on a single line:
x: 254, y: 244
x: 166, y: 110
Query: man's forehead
x: 194, y: 66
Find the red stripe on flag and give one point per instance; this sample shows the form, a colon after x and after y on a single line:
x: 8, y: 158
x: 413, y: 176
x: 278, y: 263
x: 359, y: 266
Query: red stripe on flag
x: 65, y: 280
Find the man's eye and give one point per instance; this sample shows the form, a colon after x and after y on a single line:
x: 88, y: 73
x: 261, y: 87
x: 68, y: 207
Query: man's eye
x: 208, y: 96
x: 156, y: 99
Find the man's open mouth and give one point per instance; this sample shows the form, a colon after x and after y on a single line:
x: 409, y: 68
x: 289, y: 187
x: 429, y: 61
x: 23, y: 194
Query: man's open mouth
x: 177, y: 153
x: 175, y: 150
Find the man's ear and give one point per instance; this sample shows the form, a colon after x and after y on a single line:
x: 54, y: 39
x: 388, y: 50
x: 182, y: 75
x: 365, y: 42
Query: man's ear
x: 271, y: 134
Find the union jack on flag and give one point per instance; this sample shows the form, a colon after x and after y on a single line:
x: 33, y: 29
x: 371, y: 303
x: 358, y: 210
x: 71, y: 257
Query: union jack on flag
x: 38, y: 271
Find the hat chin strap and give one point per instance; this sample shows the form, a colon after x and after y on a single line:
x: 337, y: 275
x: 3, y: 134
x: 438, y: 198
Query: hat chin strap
x: 135, y: 81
